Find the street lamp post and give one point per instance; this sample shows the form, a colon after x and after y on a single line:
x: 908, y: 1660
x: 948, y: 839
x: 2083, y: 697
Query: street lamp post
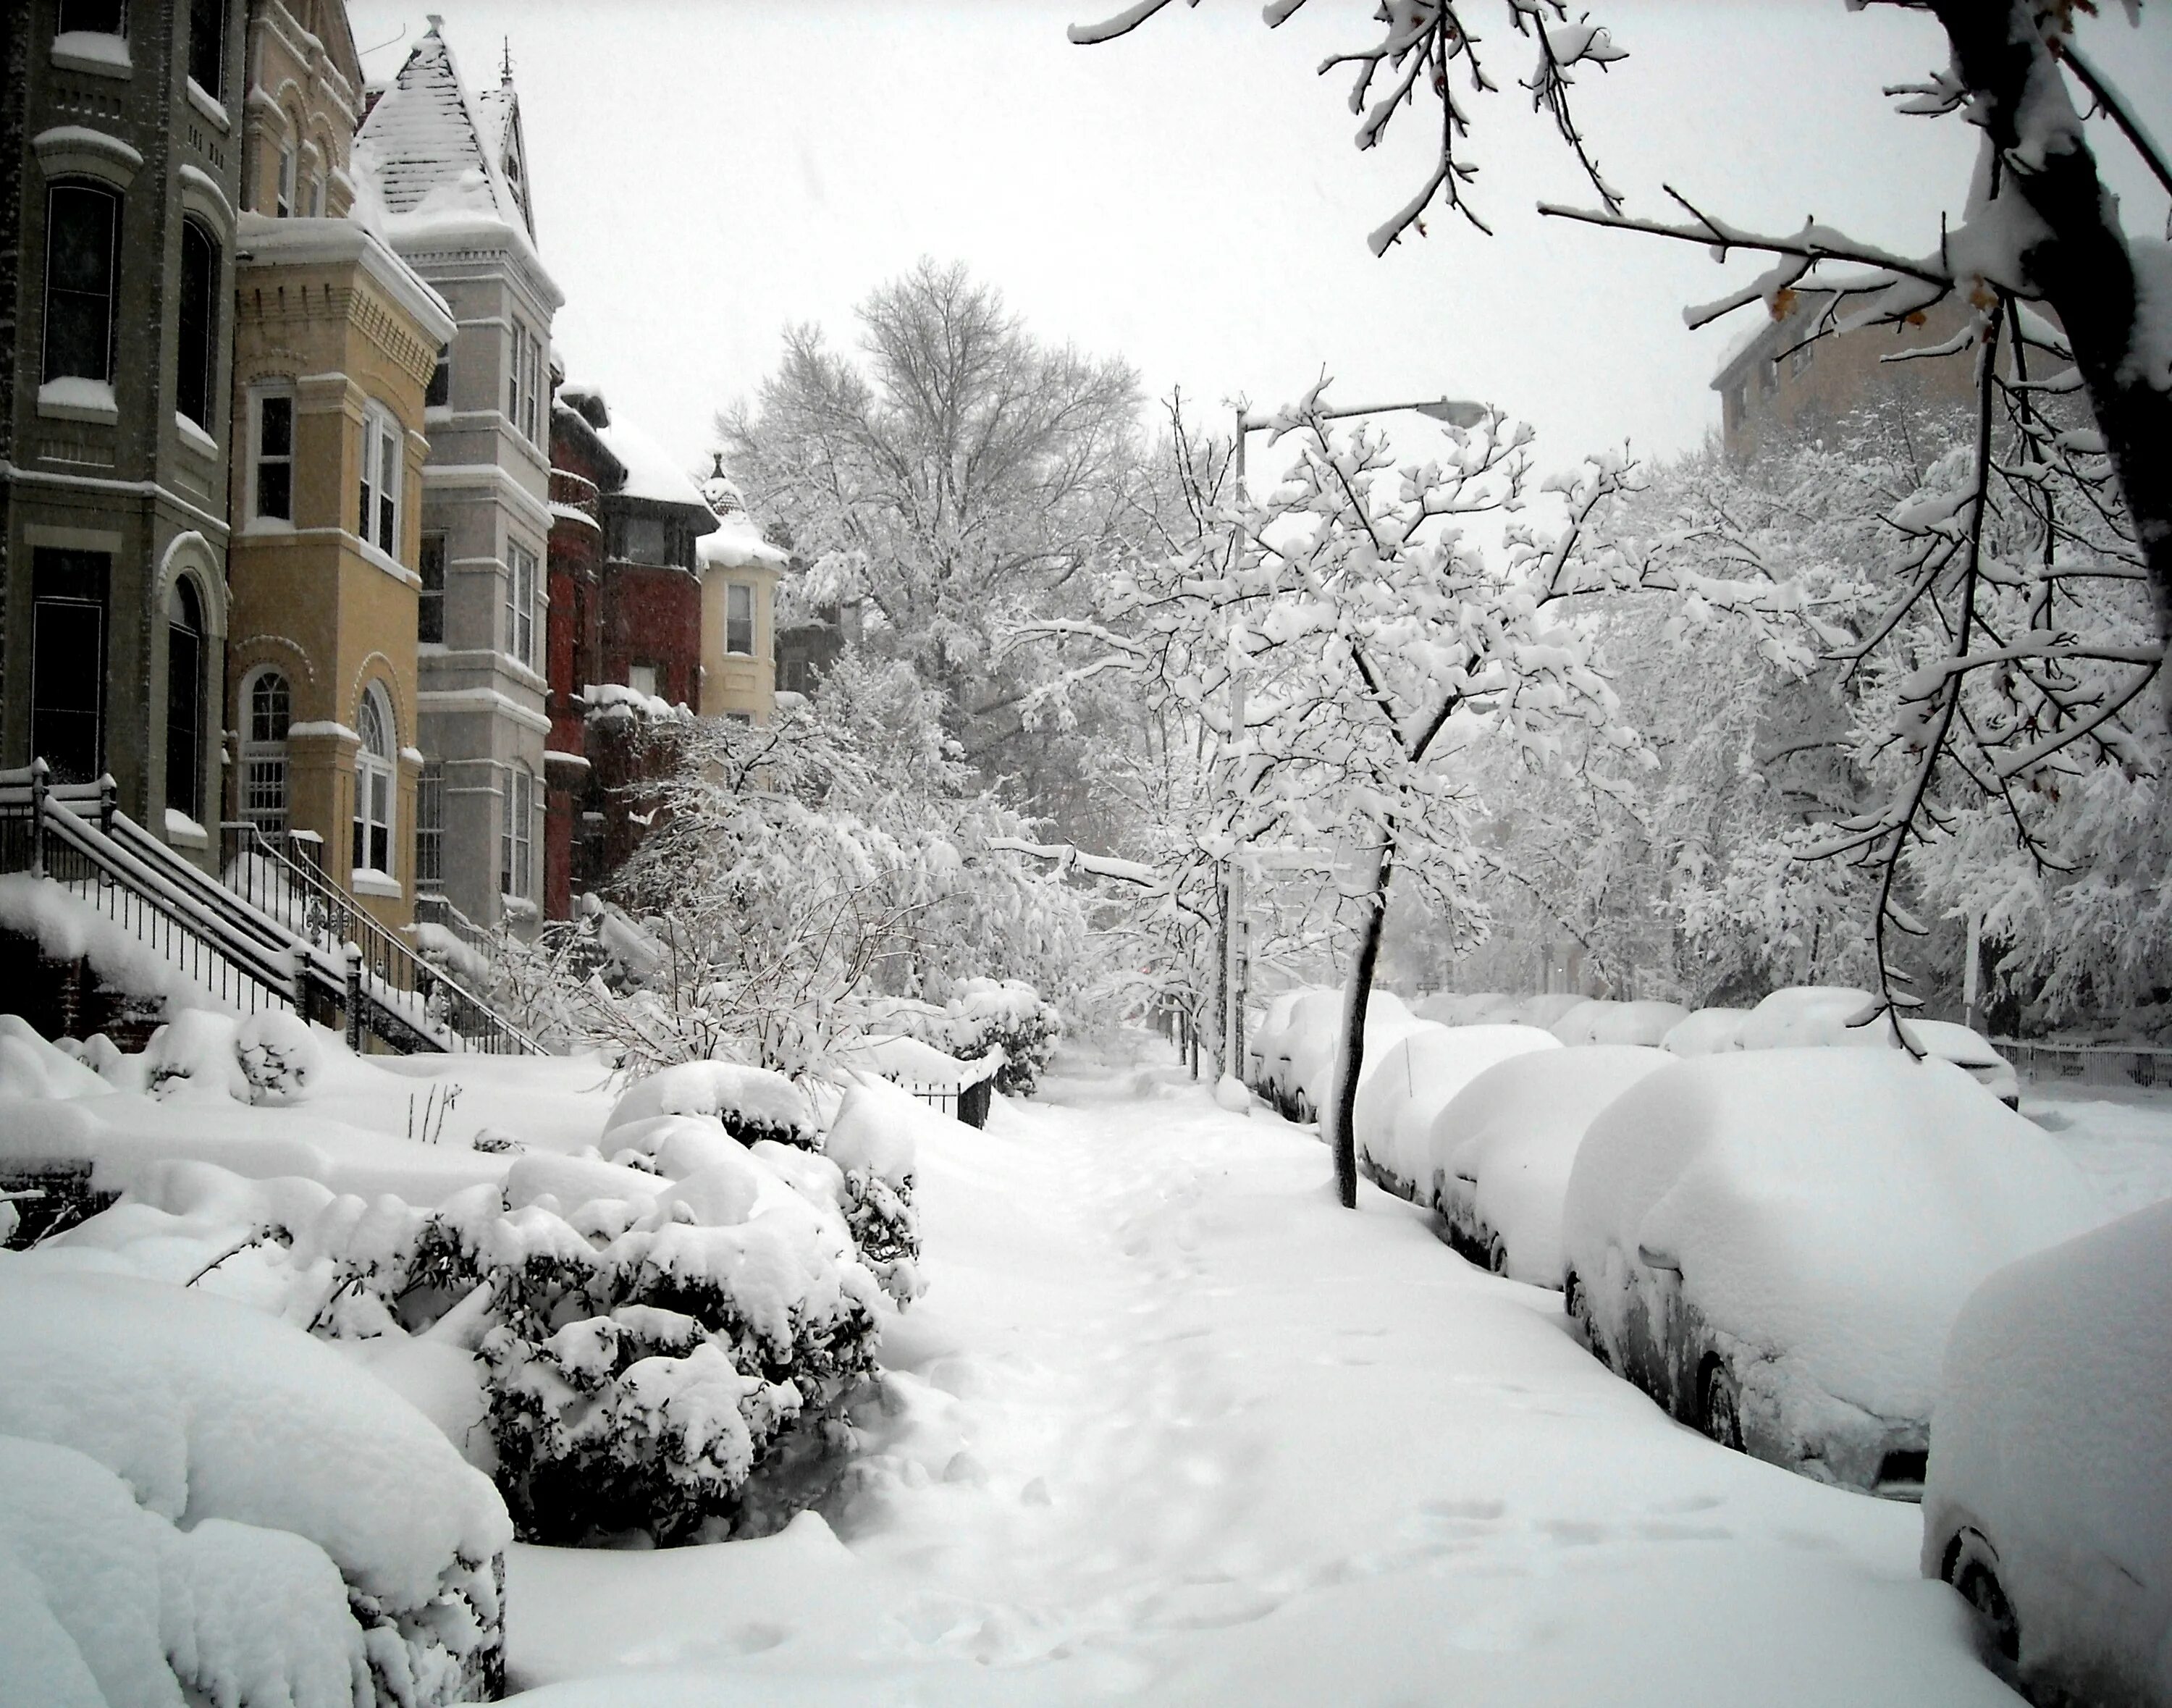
x: 1234, y: 932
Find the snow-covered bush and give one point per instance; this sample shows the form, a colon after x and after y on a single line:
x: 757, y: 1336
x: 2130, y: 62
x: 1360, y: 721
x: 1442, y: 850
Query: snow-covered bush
x: 30, y: 1067
x: 279, y: 1058
x: 752, y: 1103
x: 871, y: 1143
x: 1006, y: 1014
x: 202, y: 1056
x: 200, y: 1487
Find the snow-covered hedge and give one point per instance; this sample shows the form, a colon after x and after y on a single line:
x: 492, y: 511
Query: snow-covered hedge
x: 984, y: 1014
x: 751, y: 1104
x: 197, y: 1497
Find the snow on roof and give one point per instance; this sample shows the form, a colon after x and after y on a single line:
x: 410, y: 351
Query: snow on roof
x: 738, y: 544
x: 652, y: 473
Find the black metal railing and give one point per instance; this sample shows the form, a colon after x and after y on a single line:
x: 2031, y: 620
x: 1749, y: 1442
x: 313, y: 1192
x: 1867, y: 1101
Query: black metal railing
x: 277, y: 932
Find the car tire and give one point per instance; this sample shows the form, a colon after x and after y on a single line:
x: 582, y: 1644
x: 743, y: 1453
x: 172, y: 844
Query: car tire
x: 1497, y: 1255
x: 1721, y: 1406
x: 1971, y: 1567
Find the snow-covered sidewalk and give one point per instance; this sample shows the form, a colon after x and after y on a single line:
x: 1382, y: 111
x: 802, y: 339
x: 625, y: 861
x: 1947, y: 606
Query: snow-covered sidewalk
x: 1171, y: 1426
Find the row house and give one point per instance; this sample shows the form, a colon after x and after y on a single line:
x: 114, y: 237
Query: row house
x: 296, y: 537
x: 447, y: 181
x: 121, y: 150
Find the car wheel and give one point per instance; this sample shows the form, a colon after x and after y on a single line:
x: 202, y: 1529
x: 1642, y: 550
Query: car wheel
x: 1723, y: 1405
x: 1497, y: 1255
x: 1972, y: 1568
x: 1575, y: 1302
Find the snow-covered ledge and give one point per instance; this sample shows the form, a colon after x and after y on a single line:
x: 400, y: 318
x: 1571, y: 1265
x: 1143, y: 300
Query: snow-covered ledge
x: 74, y: 399
x: 195, y: 437
x: 93, y: 50
x: 368, y: 880
x: 71, y: 148
x: 208, y: 105
x: 184, y: 832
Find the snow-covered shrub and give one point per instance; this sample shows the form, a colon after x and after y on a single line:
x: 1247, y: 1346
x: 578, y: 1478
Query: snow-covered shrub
x: 1006, y: 1014
x: 31, y: 1067
x: 871, y: 1143
x: 279, y: 1058
x: 753, y: 1103
x: 322, y: 1531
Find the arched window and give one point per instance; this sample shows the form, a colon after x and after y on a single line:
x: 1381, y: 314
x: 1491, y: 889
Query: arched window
x: 517, y: 841
x: 372, y: 784
x: 197, y: 361
x: 266, y: 708
x: 83, y: 226
x: 185, y: 719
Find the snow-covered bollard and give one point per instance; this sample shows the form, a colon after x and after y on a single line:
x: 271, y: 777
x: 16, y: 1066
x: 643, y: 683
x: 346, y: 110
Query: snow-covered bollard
x: 1230, y: 1092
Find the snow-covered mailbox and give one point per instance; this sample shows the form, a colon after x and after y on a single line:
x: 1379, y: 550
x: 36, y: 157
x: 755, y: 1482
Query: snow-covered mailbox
x: 957, y: 1087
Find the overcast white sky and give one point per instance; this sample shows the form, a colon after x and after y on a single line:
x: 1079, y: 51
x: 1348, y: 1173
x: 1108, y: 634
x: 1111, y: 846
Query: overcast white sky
x: 706, y: 171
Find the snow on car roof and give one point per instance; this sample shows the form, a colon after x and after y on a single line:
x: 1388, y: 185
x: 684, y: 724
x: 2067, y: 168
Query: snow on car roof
x: 1830, y: 1207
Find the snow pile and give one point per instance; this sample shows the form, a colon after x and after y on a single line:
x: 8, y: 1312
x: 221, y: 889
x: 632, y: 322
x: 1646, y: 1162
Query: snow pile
x: 2052, y: 1436
x: 909, y: 1062
x: 1410, y: 1082
x: 66, y: 927
x: 616, y: 700
x: 752, y: 1102
x: 30, y: 1067
x: 289, y: 1522
x: 1601, y: 1022
x: 1828, y: 1210
x: 1505, y: 1148
x: 1705, y: 1032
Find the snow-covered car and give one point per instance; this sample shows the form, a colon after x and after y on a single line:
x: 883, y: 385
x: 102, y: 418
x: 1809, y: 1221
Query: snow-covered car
x: 1775, y: 1244
x: 1601, y: 1021
x: 1705, y: 1032
x: 1266, y: 1045
x: 1832, y: 1015
x: 1510, y: 1137
x: 1407, y: 1083
x: 1314, y: 1038
x: 2049, y: 1504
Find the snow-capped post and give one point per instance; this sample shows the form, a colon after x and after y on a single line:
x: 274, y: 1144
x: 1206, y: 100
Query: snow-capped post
x: 108, y: 803
x: 39, y: 769
x: 354, y: 996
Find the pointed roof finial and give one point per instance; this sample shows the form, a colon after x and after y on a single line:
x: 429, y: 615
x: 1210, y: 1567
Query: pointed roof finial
x: 505, y: 66
x: 436, y: 21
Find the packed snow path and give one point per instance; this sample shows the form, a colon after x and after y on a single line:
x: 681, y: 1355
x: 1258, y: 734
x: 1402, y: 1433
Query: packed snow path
x: 1171, y: 1426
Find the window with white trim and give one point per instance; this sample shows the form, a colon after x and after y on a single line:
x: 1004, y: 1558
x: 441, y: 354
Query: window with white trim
x: 520, y: 603
x: 373, y: 783
x: 283, y: 201
x: 266, y: 710
x: 83, y: 229
x: 272, y: 461
x: 738, y: 618
x: 382, y: 473
x: 523, y: 395
x: 195, y: 369
x: 430, y: 825
x: 516, y: 845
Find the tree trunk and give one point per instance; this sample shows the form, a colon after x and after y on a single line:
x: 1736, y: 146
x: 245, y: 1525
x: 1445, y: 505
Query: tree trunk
x: 2084, y: 270
x: 1342, y: 1127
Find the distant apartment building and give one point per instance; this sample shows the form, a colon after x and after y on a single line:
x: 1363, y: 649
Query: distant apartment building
x: 120, y: 159
x: 444, y: 176
x: 1774, y: 387
x: 336, y: 339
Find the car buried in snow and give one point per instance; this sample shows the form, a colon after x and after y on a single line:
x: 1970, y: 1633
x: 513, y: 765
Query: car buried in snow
x: 1774, y: 1244
x: 2049, y: 1505
x: 1842, y: 1016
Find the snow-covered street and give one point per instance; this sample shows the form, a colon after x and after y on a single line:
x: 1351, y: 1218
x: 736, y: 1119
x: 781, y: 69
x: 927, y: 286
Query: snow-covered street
x: 1171, y: 1426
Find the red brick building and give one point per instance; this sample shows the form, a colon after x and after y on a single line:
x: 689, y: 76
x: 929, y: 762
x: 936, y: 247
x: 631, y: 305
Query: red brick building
x: 581, y: 467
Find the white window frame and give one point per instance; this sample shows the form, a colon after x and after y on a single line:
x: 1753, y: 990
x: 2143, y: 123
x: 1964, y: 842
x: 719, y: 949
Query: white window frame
x: 382, y: 493
x: 520, y: 624
x: 264, y: 757
x: 376, y: 782
x: 283, y: 189
x: 734, y: 593
x: 430, y: 826
x: 516, y: 842
x: 258, y: 396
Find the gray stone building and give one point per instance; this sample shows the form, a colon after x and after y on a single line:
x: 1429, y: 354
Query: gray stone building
x: 119, y: 156
x: 444, y: 178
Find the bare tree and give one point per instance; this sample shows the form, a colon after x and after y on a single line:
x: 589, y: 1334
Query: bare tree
x: 955, y: 476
